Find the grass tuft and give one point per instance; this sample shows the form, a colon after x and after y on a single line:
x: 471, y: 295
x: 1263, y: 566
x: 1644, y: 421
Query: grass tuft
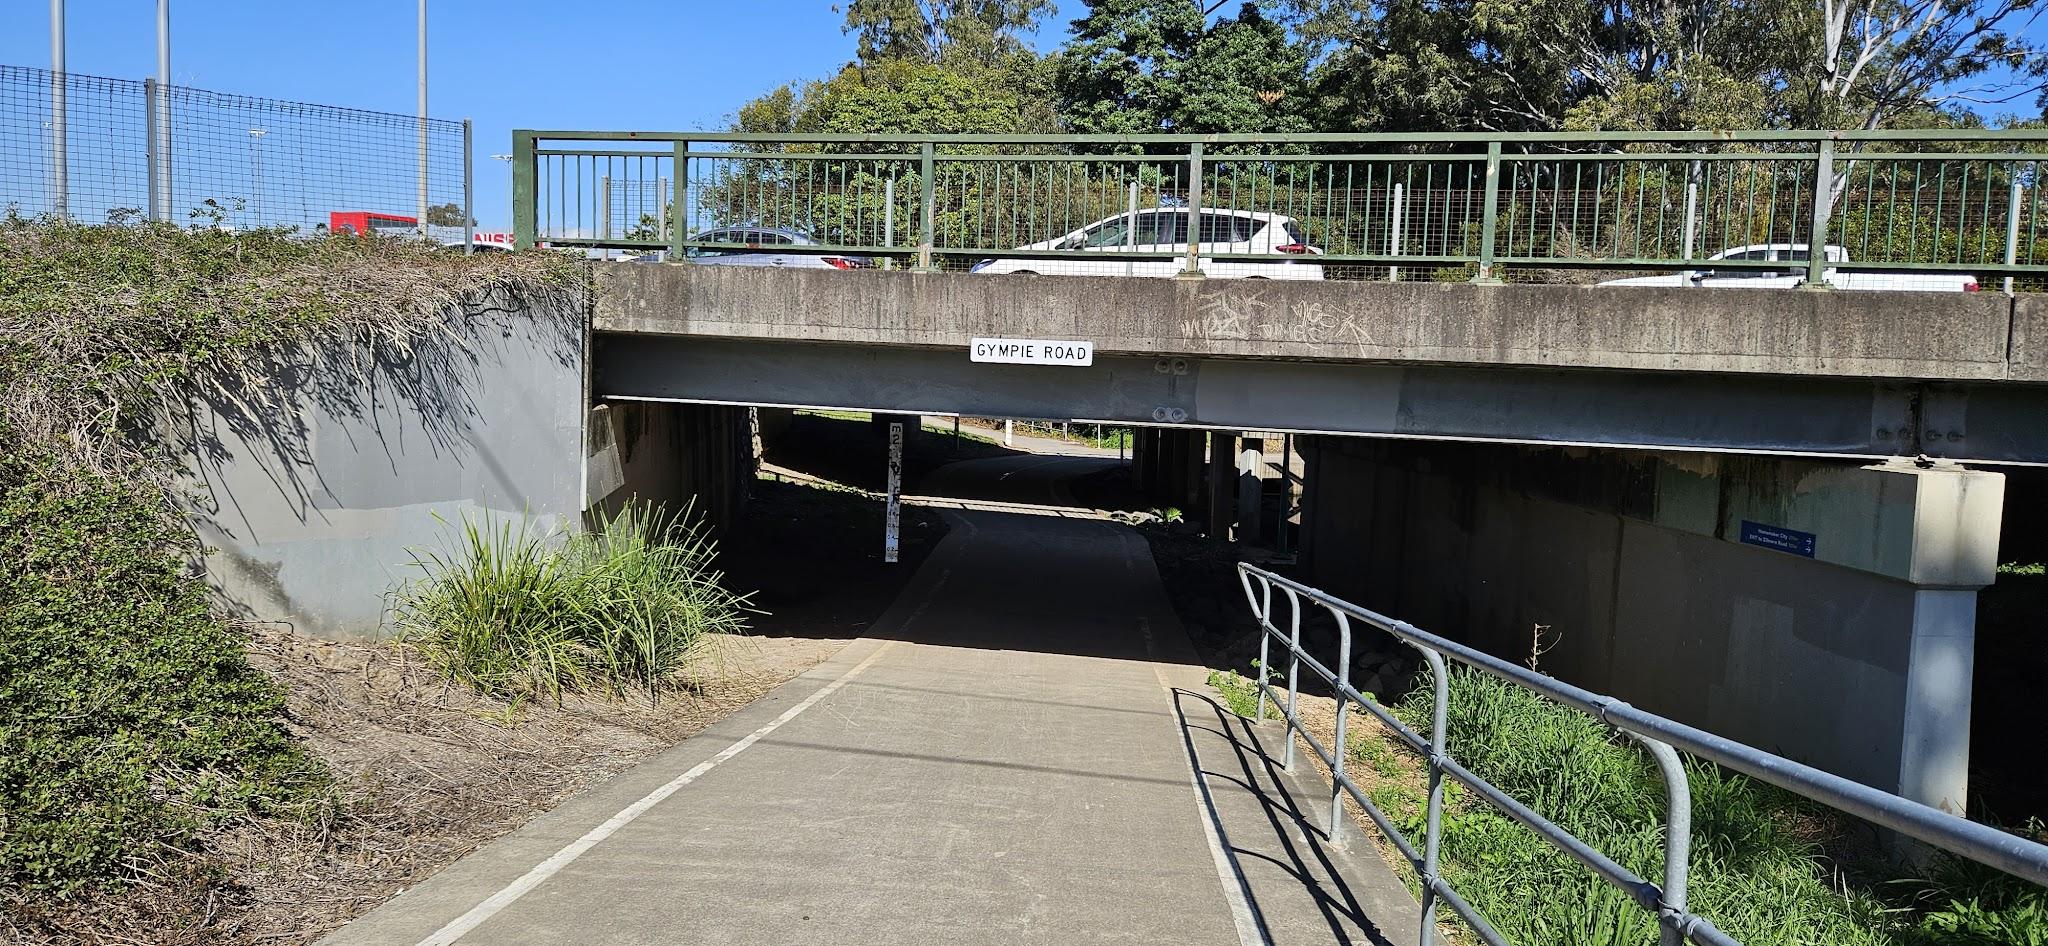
x: 517, y: 612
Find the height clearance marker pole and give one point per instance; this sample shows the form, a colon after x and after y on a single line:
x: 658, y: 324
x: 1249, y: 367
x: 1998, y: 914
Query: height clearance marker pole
x: 893, y: 516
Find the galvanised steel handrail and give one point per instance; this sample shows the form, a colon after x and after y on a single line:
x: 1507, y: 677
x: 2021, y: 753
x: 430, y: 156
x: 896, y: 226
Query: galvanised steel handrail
x: 1663, y: 738
x: 1453, y: 205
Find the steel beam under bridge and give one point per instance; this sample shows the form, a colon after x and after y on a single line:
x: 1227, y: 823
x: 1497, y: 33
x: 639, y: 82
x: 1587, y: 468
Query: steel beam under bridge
x: 1838, y: 417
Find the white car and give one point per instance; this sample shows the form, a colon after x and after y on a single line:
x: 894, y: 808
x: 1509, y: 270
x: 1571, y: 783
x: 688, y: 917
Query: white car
x: 1164, y: 229
x: 1793, y: 274
x: 756, y: 246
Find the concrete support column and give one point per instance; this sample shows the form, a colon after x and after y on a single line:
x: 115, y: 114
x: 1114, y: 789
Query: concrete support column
x: 1222, y: 484
x: 1141, y: 467
x: 1167, y: 477
x: 1251, y: 461
x: 1952, y: 553
x: 1176, y: 470
x: 1824, y: 611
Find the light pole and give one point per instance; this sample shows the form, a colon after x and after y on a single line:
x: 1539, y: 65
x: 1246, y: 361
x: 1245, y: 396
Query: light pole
x: 60, y: 143
x: 423, y: 117
x: 160, y: 167
x: 256, y: 179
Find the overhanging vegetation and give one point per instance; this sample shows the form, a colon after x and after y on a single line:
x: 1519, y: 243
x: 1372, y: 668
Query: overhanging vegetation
x: 131, y: 718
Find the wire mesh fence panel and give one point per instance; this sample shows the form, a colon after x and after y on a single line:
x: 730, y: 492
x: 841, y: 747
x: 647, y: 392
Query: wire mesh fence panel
x: 104, y: 145
x: 232, y: 160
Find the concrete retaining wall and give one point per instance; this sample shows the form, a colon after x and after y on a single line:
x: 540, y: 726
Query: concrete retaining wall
x: 309, y: 492
x: 1651, y: 578
x: 678, y: 455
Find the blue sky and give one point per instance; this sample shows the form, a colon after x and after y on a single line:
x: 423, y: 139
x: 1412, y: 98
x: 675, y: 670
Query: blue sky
x: 652, y: 64
x: 646, y: 64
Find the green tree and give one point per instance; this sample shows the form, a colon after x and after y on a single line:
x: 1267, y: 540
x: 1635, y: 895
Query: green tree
x: 1145, y: 66
x: 1543, y: 64
x: 953, y: 32
x: 1505, y: 64
x: 446, y: 215
x: 901, y: 95
x: 1246, y: 75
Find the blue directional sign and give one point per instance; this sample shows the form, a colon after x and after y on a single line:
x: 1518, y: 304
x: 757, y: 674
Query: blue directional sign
x: 1781, y: 539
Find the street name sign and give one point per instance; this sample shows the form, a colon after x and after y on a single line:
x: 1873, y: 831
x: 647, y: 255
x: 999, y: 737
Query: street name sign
x: 1032, y: 351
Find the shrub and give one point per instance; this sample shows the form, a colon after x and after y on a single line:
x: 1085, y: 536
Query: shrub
x: 130, y: 719
x: 129, y: 715
x: 517, y: 612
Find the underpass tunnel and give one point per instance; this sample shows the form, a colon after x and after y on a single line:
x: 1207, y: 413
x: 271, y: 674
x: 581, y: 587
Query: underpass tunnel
x: 1826, y: 610
x: 796, y: 497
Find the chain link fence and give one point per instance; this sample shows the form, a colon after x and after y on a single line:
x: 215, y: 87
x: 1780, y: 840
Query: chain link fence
x: 93, y: 149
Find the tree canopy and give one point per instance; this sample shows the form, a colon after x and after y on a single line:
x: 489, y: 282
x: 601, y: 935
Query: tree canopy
x: 1138, y: 66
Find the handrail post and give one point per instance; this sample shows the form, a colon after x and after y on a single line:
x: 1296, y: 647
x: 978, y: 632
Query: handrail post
x: 1293, y: 676
x: 1489, y: 218
x: 924, y: 247
x: 889, y: 221
x: 1342, y: 749
x: 1191, y: 268
x: 2012, y: 226
x: 678, y: 231
x: 523, y: 197
x: 1677, y: 840
x: 1265, y: 646
x: 1434, y: 825
x: 1823, y: 205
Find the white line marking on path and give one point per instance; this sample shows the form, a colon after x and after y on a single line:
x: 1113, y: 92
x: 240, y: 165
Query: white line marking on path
x: 498, y: 901
x: 1251, y: 929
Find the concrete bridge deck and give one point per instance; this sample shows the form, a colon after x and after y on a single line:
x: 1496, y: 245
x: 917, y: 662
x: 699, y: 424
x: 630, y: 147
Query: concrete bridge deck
x: 1019, y: 753
x: 1814, y: 373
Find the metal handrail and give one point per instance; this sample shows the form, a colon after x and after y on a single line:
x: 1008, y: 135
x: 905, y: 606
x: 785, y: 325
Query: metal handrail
x: 1462, y: 204
x: 1663, y: 738
x: 1409, y: 137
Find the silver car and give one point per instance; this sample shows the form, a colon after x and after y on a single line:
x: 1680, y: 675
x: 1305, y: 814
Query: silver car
x: 756, y: 246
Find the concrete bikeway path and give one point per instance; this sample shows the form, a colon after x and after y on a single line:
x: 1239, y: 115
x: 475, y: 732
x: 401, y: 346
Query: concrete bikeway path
x: 1020, y: 752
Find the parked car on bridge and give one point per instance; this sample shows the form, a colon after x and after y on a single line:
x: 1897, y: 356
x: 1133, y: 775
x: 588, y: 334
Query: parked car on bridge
x: 1794, y: 274
x: 756, y: 246
x: 1223, y: 233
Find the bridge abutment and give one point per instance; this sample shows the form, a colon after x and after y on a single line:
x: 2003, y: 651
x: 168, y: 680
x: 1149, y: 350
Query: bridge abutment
x: 1823, y: 610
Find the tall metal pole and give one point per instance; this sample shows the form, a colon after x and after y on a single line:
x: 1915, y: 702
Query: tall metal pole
x: 163, y: 109
x: 468, y: 190
x: 423, y: 117
x: 149, y: 116
x: 256, y: 179
x: 60, y: 140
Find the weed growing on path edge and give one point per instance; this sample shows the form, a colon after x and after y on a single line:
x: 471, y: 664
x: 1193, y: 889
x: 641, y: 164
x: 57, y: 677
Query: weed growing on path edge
x: 515, y: 611
x: 1240, y: 694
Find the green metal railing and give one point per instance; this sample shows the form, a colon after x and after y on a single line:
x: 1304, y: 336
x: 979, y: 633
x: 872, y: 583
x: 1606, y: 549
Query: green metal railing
x: 1401, y: 206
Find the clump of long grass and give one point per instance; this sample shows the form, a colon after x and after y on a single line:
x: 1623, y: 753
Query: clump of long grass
x: 1755, y: 872
x: 516, y: 611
